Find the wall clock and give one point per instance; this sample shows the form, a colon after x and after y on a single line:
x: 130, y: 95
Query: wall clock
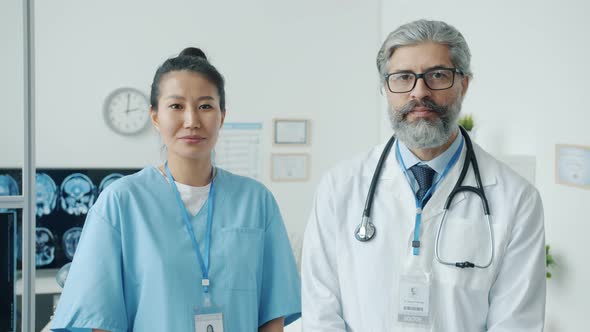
x: 127, y: 111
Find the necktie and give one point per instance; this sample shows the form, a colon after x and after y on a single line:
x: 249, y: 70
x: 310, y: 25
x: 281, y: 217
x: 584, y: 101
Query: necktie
x: 424, y: 175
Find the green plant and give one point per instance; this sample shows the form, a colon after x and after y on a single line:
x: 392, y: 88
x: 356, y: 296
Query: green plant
x: 466, y: 121
x: 550, y: 262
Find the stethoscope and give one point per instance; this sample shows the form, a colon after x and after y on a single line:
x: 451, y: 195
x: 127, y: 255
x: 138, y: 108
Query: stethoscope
x: 365, y: 231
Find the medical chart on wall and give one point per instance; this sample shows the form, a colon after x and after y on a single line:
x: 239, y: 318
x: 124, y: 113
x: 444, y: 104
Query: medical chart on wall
x: 238, y: 148
x: 573, y: 165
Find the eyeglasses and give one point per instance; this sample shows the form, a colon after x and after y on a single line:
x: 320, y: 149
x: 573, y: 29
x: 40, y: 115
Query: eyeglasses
x: 435, y: 79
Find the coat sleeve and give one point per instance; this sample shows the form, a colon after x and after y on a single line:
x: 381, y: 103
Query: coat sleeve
x: 322, y: 310
x: 93, y: 296
x: 517, y: 297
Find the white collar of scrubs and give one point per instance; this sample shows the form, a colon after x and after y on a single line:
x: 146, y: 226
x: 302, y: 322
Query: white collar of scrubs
x: 192, y: 197
x: 184, y: 188
x: 187, y: 191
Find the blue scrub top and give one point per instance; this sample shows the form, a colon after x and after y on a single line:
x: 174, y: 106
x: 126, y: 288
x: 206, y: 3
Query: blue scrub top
x: 135, y: 268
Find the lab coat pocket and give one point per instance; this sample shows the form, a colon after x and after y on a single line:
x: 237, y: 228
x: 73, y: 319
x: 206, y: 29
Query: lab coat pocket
x: 242, y: 257
x: 467, y: 240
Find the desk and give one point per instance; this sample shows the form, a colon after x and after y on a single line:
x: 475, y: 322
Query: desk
x: 44, y: 282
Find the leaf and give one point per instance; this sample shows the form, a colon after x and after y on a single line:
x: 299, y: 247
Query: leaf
x: 466, y: 121
x: 549, y: 261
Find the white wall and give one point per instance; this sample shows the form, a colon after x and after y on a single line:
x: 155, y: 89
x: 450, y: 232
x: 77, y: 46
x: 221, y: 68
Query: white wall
x: 304, y: 59
x: 530, y: 60
x: 11, y: 84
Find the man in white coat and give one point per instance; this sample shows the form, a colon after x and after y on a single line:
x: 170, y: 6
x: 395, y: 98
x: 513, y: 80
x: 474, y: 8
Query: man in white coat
x: 478, y: 273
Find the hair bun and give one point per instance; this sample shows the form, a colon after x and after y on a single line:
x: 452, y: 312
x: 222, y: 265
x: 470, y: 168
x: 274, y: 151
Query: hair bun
x: 193, y: 51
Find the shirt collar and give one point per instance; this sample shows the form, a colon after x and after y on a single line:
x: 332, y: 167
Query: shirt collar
x: 438, y: 164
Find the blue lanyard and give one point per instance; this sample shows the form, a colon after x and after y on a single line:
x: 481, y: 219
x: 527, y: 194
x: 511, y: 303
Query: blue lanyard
x: 203, y: 263
x: 420, y: 203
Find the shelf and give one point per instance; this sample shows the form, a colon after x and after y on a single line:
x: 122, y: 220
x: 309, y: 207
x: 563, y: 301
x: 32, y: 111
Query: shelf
x: 44, y: 284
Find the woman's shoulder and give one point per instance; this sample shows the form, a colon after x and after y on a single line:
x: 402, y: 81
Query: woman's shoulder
x: 133, y: 182
x: 134, y: 192
x: 132, y: 186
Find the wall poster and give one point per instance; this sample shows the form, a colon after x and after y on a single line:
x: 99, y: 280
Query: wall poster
x: 572, y: 165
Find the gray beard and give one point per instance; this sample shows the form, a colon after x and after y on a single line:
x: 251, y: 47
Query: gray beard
x: 425, y: 133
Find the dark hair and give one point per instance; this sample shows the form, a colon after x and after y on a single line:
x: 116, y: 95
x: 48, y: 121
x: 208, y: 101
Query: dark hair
x: 191, y: 59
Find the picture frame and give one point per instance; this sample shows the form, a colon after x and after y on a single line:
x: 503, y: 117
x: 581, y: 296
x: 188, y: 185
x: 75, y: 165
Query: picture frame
x: 572, y: 165
x: 291, y: 132
x: 289, y: 167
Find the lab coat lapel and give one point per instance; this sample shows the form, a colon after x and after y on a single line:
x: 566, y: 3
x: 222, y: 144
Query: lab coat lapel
x: 392, y: 182
x: 393, y: 204
x: 436, y: 204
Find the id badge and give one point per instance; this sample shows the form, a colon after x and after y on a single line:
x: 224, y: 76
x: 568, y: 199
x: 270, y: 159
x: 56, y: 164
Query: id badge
x: 414, y: 300
x: 208, y: 317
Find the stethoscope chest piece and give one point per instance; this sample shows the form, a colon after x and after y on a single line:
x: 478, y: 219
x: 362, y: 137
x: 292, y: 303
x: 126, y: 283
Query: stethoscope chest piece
x: 364, y: 231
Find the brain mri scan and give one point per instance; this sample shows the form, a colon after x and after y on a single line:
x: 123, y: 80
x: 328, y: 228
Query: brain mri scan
x: 77, y: 194
x: 70, y: 241
x: 108, y: 180
x: 45, y: 247
x: 8, y: 187
x: 46, y: 194
x: 63, y: 198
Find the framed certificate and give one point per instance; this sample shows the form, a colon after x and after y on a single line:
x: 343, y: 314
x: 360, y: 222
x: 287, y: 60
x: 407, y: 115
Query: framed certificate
x: 289, y: 166
x: 572, y: 165
x: 291, y: 131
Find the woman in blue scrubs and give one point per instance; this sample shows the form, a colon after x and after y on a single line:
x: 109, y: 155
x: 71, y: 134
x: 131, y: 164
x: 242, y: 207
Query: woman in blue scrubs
x: 185, y: 246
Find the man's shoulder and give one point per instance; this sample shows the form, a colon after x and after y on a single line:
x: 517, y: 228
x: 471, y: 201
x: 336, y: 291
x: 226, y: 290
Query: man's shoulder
x: 362, y: 164
x: 496, y: 171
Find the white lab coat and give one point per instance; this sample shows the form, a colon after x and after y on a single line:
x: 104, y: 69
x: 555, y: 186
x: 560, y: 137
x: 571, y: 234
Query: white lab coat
x: 354, y: 286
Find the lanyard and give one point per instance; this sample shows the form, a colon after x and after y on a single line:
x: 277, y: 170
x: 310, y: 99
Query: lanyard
x: 420, y: 203
x: 203, y: 263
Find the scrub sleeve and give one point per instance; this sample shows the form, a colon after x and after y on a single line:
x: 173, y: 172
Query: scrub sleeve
x: 103, y: 303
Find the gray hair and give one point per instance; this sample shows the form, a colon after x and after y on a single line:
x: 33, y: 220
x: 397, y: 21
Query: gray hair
x: 423, y: 31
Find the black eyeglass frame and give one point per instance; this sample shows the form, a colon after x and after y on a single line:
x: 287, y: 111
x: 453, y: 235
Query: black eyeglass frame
x: 421, y: 76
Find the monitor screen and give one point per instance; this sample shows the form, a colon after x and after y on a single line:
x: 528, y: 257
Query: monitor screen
x: 7, y: 271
